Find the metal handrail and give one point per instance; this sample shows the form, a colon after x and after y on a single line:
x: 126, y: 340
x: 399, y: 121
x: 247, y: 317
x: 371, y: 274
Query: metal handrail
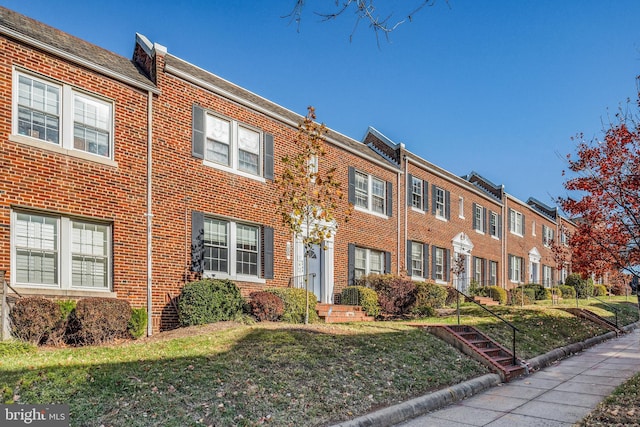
x: 506, y: 322
x: 293, y: 280
x: 615, y: 309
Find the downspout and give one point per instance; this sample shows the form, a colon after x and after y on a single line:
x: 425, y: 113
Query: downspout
x: 399, y: 225
x: 149, y: 214
x: 505, y: 233
x: 406, y: 206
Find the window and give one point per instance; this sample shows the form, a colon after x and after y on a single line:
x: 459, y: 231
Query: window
x: 494, y: 225
x: 461, y: 207
x: 59, y: 252
x: 548, y: 235
x: 416, y: 192
x: 232, y: 144
x: 493, y: 273
x: 479, y: 215
x: 516, y: 222
x: 515, y: 268
x: 440, y: 199
x: 547, y: 276
x: 440, y: 264
x: 478, y: 264
x: 368, y: 261
x: 369, y: 193
x: 61, y: 115
x: 231, y: 249
x: 533, y: 228
x: 564, y: 238
x: 417, y: 259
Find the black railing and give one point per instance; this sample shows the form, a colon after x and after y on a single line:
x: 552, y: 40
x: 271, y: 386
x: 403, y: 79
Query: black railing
x: 496, y: 315
x: 614, y: 309
x: 302, y: 281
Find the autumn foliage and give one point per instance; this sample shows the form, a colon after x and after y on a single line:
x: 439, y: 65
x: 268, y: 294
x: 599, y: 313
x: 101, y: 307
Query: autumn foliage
x: 605, y: 201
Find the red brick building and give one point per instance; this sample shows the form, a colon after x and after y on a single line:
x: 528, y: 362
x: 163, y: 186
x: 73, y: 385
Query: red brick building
x: 125, y: 178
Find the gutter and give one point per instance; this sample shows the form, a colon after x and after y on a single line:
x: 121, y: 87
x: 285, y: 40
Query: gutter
x: 149, y: 214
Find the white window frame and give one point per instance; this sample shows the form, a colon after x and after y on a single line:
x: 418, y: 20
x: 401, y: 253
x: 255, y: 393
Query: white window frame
x: 547, y: 276
x: 461, y: 207
x: 515, y: 222
x: 233, y: 163
x: 417, y: 193
x: 515, y: 272
x: 68, y: 96
x: 363, y: 262
x: 439, y: 274
x: 493, y: 224
x: 440, y: 201
x: 548, y: 236
x: 231, y: 229
x: 477, y: 270
x: 417, y: 259
x: 365, y: 194
x: 533, y: 228
x: 493, y: 273
x: 65, y: 254
x: 478, y: 214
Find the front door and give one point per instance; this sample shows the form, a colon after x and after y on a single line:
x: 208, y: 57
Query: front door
x: 315, y: 263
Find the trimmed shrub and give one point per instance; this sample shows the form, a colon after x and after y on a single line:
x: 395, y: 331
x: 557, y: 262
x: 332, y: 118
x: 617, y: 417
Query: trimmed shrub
x: 98, y: 320
x: 540, y: 292
x: 583, y: 288
x: 34, y: 318
x: 497, y: 294
x: 137, y: 325
x: 209, y: 301
x: 266, y: 306
x: 567, y: 291
x: 429, y: 296
x: 518, y: 297
x: 599, y: 290
x: 367, y: 298
x: 58, y: 334
x: 294, y: 300
x: 396, y: 295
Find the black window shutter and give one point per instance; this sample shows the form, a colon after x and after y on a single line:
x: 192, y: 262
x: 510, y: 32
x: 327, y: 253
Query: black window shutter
x: 352, y: 185
x: 425, y: 261
x: 409, y: 254
x: 500, y: 226
x: 198, y: 132
x: 433, y: 199
x: 523, y: 225
x: 389, y: 199
x: 267, y: 253
x: 425, y: 197
x: 484, y: 220
x: 485, y: 272
x: 410, y: 190
x: 447, y: 272
x: 510, y: 267
x: 351, y: 263
x: 387, y: 262
x: 475, y: 221
x: 433, y: 262
x: 447, y: 204
x: 268, y: 156
x: 197, y: 242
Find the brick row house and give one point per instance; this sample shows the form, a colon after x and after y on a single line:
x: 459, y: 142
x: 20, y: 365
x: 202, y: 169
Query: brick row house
x: 127, y: 177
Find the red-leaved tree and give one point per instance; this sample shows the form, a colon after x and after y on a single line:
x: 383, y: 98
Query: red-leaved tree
x: 605, y: 198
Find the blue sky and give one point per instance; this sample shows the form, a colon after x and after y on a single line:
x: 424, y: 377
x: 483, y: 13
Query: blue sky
x: 496, y: 87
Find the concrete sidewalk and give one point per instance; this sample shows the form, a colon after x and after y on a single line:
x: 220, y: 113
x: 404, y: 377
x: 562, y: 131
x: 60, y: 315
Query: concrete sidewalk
x: 558, y: 395
x: 562, y: 392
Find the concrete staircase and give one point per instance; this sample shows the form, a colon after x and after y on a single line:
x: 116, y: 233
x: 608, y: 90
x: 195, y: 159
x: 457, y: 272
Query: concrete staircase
x: 479, y: 346
x: 583, y: 313
x: 336, y: 313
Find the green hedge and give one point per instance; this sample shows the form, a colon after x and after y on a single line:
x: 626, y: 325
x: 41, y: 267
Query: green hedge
x: 209, y: 301
x: 497, y: 294
x: 294, y: 300
x: 429, y: 296
x: 567, y: 291
x: 367, y: 298
x: 138, y: 322
x: 599, y: 290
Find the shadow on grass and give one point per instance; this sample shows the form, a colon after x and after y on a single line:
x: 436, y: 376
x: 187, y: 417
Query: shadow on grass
x: 243, y: 376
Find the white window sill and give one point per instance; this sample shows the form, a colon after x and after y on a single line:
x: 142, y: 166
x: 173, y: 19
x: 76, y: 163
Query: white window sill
x: 379, y: 215
x: 25, y: 290
x: 38, y: 143
x: 233, y: 171
x: 479, y: 232
x: 516, y: 234
x: 418, y: 278
x: 441, y: 218
x: 441, y: 282
x: 238, y: 278
x: 418, y: 210
x: 495, y: 237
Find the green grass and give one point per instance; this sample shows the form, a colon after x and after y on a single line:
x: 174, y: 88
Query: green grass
x: 279, y: 374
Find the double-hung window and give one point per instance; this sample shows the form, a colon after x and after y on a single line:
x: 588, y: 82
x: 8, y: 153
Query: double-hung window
x: 59, y: 252
x: 233, y: 145
x: 547, y: 276
x: 548, y: 235
x: 494, y: 224
x: 439, y: 264
x: 515, y: 268
x: 369, y: 193
x: 478, y: 267
x: 440, y: 202
x: 368, y: 261
x: 417, y: 192
x: 231, y: 249
x: 63, y: 115
x: 516, y: 222
x: 479, y: 215
x: 417, y: 259
x: 493, y: 273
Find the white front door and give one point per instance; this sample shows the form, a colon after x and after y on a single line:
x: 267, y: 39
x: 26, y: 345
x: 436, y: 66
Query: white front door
x: 320, y: 263
x: 315, y: 268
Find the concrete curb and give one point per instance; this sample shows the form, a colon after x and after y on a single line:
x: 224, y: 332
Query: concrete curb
x: 421, y: 405
x: 415, y: 407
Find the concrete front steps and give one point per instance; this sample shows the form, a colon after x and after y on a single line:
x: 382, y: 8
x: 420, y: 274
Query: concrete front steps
x: 475, y: 344
x: 583, y: 313
x: 336, y: 313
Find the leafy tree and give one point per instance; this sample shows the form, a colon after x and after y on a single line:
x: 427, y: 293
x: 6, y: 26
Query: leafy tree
x: 607, y: 208
x: 310, y: 195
